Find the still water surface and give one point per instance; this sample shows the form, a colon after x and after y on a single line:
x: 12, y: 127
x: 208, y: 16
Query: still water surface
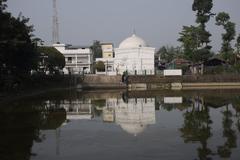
x: 118, y: 125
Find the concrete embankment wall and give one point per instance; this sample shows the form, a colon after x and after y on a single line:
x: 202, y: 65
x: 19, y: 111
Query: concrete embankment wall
x: 184, y: 79
x: 103, y: 82
x: 219, y: 85
x: 184, y: 82
x: 153, y: 79
x: 155, y: 82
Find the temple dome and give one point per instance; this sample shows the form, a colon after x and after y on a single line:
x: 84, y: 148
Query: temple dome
x: 133, y: 128
x: 132, y: 42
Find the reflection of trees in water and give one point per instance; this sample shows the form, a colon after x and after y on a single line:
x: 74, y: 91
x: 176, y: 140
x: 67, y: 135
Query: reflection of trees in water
x: 196, y: 127
x: 20, y: 126
x: 236, y: 106
x: 98, y: 106
x: 238, y: 123
x: 238, y: 119
x: 229, y: 133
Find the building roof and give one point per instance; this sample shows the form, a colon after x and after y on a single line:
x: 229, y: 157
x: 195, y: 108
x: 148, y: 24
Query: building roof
x: 133, y: 128
x: 214, y: 62
x: 76, y: 47
x: 107, y: 43
x: 132, y: 42
x: 69, y: 46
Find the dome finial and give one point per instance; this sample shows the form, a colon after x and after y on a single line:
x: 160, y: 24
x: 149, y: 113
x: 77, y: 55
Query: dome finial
x: 134, y: 31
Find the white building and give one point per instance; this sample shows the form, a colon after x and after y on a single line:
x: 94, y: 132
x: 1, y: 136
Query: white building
x: 78, y: 59
x: 107, y: 59
x: 107, y: 50
x: 134, y: 56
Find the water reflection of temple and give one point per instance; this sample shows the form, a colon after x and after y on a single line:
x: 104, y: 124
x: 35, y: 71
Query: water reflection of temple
x: 133, y: 116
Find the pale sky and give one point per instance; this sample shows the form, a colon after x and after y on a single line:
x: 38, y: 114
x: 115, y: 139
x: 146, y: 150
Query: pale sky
x: 156, y: 21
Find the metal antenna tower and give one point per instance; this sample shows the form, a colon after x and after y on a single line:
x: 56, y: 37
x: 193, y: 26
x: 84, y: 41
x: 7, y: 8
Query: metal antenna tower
x: 55, y: 29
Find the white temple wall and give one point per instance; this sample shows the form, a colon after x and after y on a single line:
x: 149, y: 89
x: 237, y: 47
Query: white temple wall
x: 135, y: 60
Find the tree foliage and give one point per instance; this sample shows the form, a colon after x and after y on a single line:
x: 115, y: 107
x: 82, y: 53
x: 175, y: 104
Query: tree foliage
x: 190, y: 38
x: 100, y: 66
x: 97, y: 49
x: 223, y: 19
x: 203, y: 14
x: 196, y: 39
x: 167, y: 54
x: 203, y: 9
x: 196, y: 128
x: 3, y: 5
x: 237, y: 45
x: 54, y: 60
x: 17, y: 47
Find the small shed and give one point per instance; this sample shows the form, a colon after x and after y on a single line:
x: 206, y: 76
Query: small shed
x: 211, y: 66
x: 214, y: 62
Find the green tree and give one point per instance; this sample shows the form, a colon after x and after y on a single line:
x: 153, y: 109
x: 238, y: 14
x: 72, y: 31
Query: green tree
x: 52, y: 58
x: 96, y: 49
x: 237, y: 45
x: 196, y: 39
x: 3, y: 5
x: 167, y: 53
x: 100, y: 66
x: 17, y: 48
x: 162, y: 53
x: 190, y: 38
x: 203, y: 13
x: 203, y: 9
x: 223, y: 19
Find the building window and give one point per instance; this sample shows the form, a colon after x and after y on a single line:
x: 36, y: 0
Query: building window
x: 82, y: 59
x: 69, y: 59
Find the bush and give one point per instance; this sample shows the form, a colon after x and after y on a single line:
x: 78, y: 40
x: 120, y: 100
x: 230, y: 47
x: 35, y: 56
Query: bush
x: 100, y: 66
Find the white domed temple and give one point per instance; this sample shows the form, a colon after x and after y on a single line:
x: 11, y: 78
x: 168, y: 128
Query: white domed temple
x: 134, y: 56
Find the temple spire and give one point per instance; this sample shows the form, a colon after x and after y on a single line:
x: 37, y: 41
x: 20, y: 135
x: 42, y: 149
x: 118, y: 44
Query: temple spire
x: 134, y: 31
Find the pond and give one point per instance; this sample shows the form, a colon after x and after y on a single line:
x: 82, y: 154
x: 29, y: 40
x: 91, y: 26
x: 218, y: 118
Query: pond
x: 120, y: 125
